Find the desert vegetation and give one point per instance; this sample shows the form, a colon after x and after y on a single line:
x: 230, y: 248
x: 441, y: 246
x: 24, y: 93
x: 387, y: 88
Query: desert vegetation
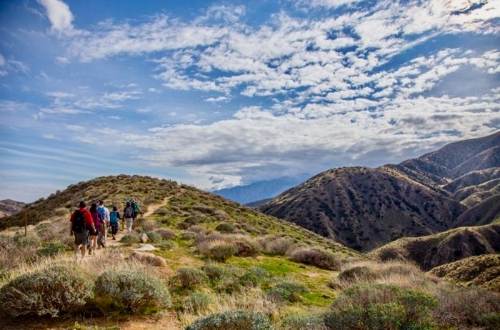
x: 216, y: 265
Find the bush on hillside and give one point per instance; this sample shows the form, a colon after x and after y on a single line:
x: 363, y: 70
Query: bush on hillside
x: 188, y: 235
x: 132, y: 238
x: 49, y: 292
x: 218, y: 250
x: 189, y: 278
x: 214, y: 272
x: 52, y: 248
x: 130, y: 291
x: 357, y: 273
x: 316, y: 257
x: 225, y: 227
x: 166, y: 233
x: 154, y: 237
x: 245, y: 246
x: 232, y: 320
x: 286, y: 291
x: 381, y: 307
x: 277, y: 245
x: 196, y: 302
x: 302, y: 322
x: 254, y: 276
x: 469, y: 307
x: 148, y: 259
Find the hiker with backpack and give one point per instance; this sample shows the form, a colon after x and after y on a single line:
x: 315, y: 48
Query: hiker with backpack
x: 129, y: 216
x: 81, y: 225
x: 104, y: 214
x: 114, y: 217
x: 96, y: 238
x: 136, y: 208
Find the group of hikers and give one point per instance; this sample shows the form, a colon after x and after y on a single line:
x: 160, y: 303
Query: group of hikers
x: 90, y: 226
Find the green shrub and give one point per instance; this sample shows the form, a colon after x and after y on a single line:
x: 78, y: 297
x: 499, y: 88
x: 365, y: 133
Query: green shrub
x: 315, y: 257
x: 286, y: 291
x: 254, y: 276
x: 189, y: 277
x: 225, y: 227
x: 154, y: 237
x: 52, y: 248
x: 302, y: 322
x: 131, y: 238
x: 232, y: 320
x: 245, y: 246
x: 196, y: 302
x: 188, y: 235
x: 52, y: 291
x: 130, y: 291
x: 381, y: 307
x: 214, y: 272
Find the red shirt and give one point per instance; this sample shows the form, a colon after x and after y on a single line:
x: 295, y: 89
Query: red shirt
x: 86, y: 215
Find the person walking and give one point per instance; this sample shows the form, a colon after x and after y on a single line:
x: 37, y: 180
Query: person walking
x: 81, y: 224
x: 96, y: 218
x: 129, y: 216
x: 114, y: 217
x: 104, y: 214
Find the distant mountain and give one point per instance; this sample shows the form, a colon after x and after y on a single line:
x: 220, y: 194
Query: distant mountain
x: 10, y: 207
x: 259, y: 190
x: 442, y: 248
x: 365, y: 208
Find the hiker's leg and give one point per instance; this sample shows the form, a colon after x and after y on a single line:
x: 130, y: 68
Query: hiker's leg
x: 77, y: 247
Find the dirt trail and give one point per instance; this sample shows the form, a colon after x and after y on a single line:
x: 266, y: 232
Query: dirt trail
x: 122, y: 231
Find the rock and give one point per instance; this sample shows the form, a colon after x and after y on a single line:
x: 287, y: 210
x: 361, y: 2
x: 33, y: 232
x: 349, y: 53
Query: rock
x: 146, y: 247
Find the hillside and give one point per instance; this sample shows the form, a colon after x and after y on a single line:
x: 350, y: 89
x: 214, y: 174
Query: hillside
x: 10, y: 207
x: 194, y: 259
x: 364, y: 208
x: 442, y: 248
x: 483, y: 271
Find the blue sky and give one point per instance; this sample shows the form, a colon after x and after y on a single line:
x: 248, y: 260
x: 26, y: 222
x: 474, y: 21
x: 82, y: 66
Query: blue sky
x: 223, y: 93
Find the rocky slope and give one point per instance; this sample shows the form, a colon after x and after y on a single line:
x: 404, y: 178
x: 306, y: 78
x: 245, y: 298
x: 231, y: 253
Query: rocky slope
x: 365, y: 208
x: 438, y: 249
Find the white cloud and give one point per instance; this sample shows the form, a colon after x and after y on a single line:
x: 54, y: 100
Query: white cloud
x: 59, y: 15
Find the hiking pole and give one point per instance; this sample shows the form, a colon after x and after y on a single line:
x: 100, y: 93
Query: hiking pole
x: 25, y: 224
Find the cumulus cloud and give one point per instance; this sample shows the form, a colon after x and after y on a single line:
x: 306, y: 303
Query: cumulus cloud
x: 59, y: 15
x: 339, y: 85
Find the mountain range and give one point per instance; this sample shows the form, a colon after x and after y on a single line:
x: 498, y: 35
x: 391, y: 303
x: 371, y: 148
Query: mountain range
x: 10, y: 207
x: 365, y: 208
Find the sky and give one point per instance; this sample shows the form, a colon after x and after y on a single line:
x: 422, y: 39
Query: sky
x: 224, y: 93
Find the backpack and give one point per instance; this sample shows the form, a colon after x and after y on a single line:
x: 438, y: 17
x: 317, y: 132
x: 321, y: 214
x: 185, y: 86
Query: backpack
x: 79, y: 225
x: 135, y: 206
x: 129, y: 212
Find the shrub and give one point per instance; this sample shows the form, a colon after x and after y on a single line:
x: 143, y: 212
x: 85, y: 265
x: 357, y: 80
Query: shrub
x: 380, y: 307
x: 130, y: 291
x: 148, y: 259
x: 52, y: 291
x: 315, y: 257
x: 300, y: 322
x: 277, y: 245
x: 196, y: 302
x: 245, y: 246
x: 218, y: 250
x: 225, y: 227
x: 357, y: 273
x: 254, y: 276
x: 232, y: 320
x: 166, y: 233
x: 154, y: 237
x: 286, y: 291
x: 214, y: 272
x: 188, y: 235
x: 470, y: 307
x: 189, y: 277
x: 52, y: 248
x: 131, y: 238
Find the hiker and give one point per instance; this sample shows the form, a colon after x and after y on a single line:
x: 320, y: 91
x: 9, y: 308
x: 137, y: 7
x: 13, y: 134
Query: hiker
x: 94, y: 239
x: 104, y: 213
x: 136, y: 208
x: 129, y: 216
x: 81, y: 225
x: 114, y: 217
